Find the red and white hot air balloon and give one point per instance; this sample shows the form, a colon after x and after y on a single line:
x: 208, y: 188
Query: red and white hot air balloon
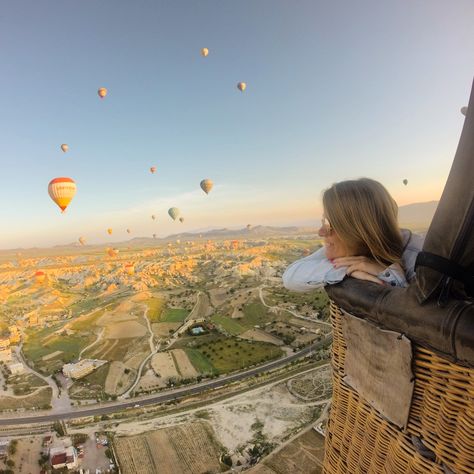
x: 61, y: 191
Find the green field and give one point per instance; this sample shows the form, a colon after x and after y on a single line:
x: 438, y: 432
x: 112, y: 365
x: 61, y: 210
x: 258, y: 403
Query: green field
x: 255, y: 314
x: 229, y: 354
x: 173, y: 315
x: 155, y: 308
x: 43, y: 342
x: 200, y: 362
x: 86, y: 323
x: 228, y: 324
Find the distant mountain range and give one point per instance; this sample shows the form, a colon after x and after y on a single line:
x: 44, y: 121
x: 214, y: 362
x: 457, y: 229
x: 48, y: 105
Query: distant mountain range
x: 416, y: 216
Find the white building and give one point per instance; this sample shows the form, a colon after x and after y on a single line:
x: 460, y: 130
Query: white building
x: 82, y: 368
x: 17, y: 368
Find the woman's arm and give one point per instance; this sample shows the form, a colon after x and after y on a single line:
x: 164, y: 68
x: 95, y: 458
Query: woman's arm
x: 312, y: 272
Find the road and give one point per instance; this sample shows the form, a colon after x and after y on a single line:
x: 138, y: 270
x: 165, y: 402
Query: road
x: 162, y: 397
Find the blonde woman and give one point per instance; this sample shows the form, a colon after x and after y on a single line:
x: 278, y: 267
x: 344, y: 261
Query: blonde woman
x: 361, y: 240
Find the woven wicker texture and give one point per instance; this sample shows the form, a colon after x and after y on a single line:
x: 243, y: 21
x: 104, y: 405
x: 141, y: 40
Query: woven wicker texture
x: 360, y: 441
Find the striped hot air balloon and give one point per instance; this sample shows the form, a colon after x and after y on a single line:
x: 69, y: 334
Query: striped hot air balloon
x: 40, y: 276
x: 62, y: 190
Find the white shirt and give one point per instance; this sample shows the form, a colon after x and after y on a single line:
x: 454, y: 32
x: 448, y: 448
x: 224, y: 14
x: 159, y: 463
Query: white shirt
x: 315, y: 270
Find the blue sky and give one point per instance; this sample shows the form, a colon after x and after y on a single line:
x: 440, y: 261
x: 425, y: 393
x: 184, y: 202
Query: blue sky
x: 335, y: 90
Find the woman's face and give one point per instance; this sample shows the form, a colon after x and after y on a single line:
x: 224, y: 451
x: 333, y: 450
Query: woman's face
x: 335, y: 246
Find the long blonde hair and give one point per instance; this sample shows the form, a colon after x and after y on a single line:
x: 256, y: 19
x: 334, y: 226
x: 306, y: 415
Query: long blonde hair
x: 363, y: 214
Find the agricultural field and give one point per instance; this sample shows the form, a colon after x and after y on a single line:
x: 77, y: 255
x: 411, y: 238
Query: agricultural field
x: 187, y: 449
x: 38, y: 399
x: 304, y: 455
x: 174, y: 315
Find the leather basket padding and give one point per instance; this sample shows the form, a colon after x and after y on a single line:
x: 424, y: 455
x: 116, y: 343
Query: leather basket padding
x: 378, y: 365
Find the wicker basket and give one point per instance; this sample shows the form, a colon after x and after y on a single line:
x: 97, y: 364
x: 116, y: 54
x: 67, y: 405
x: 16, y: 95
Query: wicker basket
x: 359, y: 440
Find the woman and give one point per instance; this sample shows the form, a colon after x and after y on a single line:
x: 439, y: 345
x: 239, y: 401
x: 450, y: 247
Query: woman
x: 361, y: 239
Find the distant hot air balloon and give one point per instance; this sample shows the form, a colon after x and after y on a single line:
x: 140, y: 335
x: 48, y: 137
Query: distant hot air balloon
x: 64, y: 147
x: 405, y: 182
x: 206, y: 185
x: 178, y: 241
x: 129, y: 268
x: 128, y: 231
x: 154, y: 236
x: 173, y: 212
x: 153, y: 169
x: 249, y: 226
x: 40, y: 276
x: 153, y: 216
x: 181, y: 219
x: 464, y: 111
x: 82, y: 240
x: 102, y: 92
x: 241, y: 86
x: 62, y: 190
x: 112, y: 252
x: 204, y: 52
x: 109, y: 231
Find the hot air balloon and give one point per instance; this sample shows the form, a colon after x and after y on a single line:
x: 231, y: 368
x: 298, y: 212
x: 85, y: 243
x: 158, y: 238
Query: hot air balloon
x: 173, y: 212
x: 129, y: 268
x: 153, y: 169
x: 154, y: 236
x: 128, y: 231
x: 40, y: 276
x: 206, y: 185
x: 204, y: 52
x: 405, y: 182
x: 241, y: 86
x: 62, y: 190
x: 112, y: 252
x: 178, y: 241
x: 153, y: 216
x: 64, y: 147
x: 249, y: 226
x: 109, y: 231
x: 181, y: 219
x: 464, y: 111
x: 102, y: 92
x: 82, y: 240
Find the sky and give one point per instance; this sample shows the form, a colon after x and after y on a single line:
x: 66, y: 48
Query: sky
x: 335, y: 90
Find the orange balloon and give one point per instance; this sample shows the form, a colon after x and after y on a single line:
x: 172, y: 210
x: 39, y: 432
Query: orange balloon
x: 241, y: 86
x: 109, y: 231
x: 102, y: 92
x: 61, y: 191
x: 40, y: 276
x: 64, y: 147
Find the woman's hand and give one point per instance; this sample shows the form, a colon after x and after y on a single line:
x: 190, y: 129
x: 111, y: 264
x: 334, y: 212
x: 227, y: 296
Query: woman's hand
x: 362, y: 268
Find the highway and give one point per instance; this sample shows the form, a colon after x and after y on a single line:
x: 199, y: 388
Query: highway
x: 169, y: 395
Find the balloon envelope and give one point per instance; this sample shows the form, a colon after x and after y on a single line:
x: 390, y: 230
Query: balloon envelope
x: 82, y: 240
x: 181, y: 219
x: 173, y: 212
x: 102, y: 92
x: 128, y: 231
x: 405, y: 182
x: 464, y: 111
x: 61, y: 191
x: 64, y: 147
x: 153, y: 216
x: 206, y: 185
x: 40, y: 276
x: 109, y: 231
x: 241, y: 86
x: 204, y: 52
x: 152, y: 169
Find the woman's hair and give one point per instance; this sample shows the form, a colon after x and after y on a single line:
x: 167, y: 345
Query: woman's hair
x: 363, y: 214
